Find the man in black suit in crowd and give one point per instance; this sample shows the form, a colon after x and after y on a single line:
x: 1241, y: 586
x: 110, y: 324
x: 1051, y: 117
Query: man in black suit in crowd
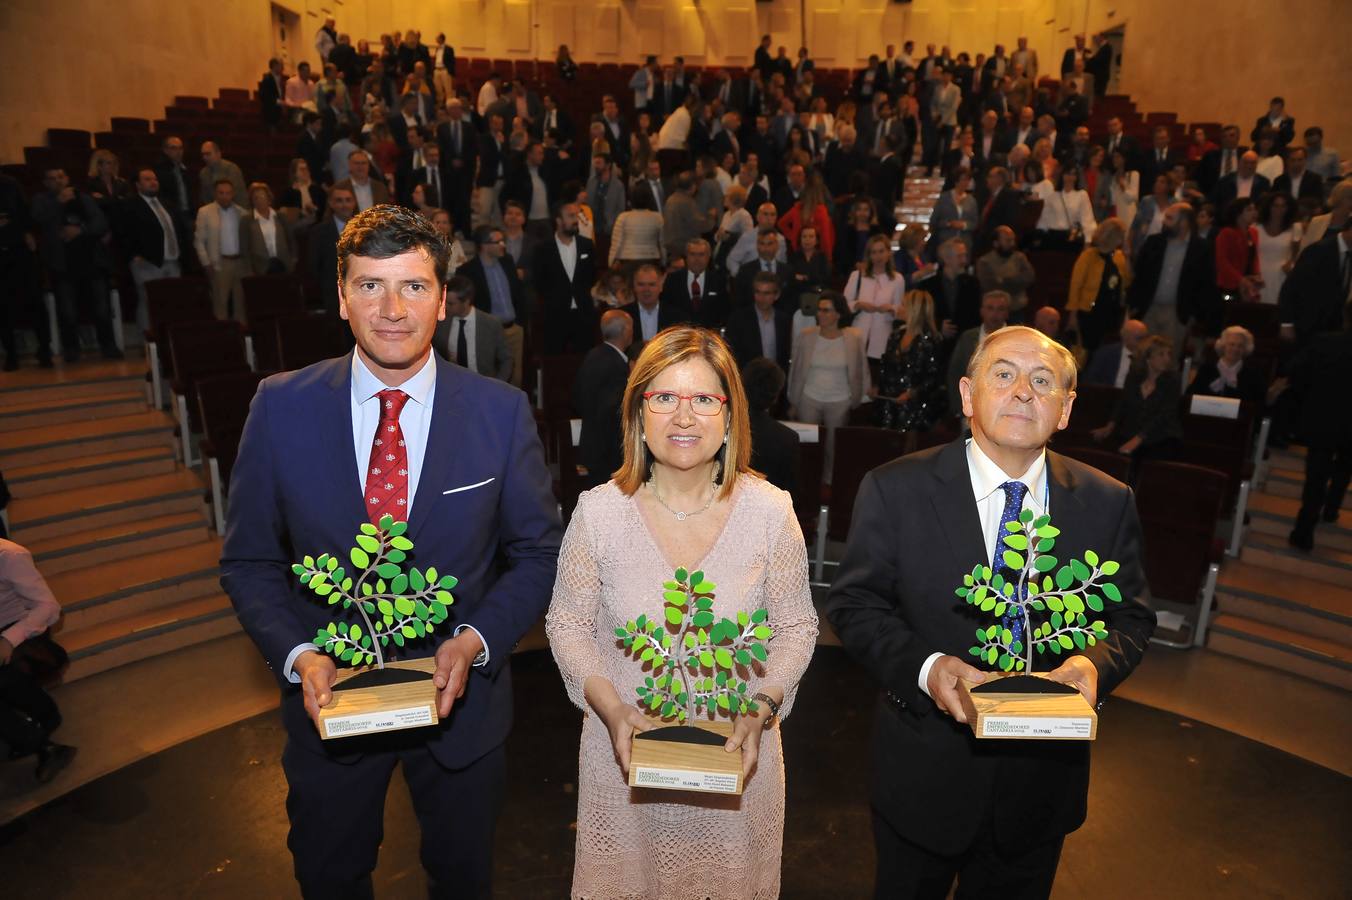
x: 1117, y: 139
x: 766, y: 263
x: 993, y: 814
x: 176, y: 184
x: 885, y: 178
x: 764, y: 62
x: 324, y: 244
x: 498, y: 290
x: 1231, y: 187
x: 844, y: 156
x: 989, y: 140
x: 271, y: 89
x: 617, y: 131
x: 1313, y: 295
x: 1073, y: 53
x: 1001, y: 207
x: 521, y: 184
x: 698, y: 287
x: 1221, y: 161
x: 554, y: 119
x: 1169, y: 307
x: 1100, y: 64
x: 459, y: 143
x: 18, y: 282
x: 763, y: 328
x: 1159, y: 159
x: 774, y: 445
x: 1320, y: 375
x: 649, y: 311
x: 312, y: 147
x: 470, y: 337
x: 956, y: 292
x: 1297, y: 181
x: 565, y: 270
x: 152, y: 243
x: 1278, y: 121
x: 598, y: 390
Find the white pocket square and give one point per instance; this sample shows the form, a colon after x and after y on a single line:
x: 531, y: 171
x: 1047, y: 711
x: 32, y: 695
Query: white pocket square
x: 585, y: 256
x: 468, y: 487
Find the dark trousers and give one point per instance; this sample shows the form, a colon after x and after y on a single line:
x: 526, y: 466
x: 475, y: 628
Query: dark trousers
x: 907, y: 871
x: 337, y: 819
x: 20, y: 299
x: 1327, y: 471
x: 69, y: 290
x: 28, y: 716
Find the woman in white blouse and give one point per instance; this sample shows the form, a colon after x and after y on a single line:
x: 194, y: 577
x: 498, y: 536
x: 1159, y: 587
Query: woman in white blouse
x: 829, y: 374
x: 1067, y: 219
x: 1124, y: 188
x: 874, y: 294
x: 821, y: 121
x: 637, y: 234
x: 264, y: 240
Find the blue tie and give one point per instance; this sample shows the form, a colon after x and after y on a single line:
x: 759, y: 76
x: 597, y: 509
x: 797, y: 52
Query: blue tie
x: 1014, y: 494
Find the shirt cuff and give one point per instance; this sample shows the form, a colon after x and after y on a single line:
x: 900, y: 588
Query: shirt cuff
x: 924, y: 673
x: 482, y: 658
x: 287, y: 669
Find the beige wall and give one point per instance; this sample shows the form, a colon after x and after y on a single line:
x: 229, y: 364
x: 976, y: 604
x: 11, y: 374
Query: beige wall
x: 1251, y: 51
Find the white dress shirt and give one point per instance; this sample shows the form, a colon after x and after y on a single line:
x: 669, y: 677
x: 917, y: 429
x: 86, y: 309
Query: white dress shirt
x: 986, y: 478
x: 1064, y: 210
x: 568, y: 256
x: 647, y: 320
x: 268, y: 226
x: 415, y: 421
x: 363, y: 194
x: 229, y: 234
x: 166, y: 225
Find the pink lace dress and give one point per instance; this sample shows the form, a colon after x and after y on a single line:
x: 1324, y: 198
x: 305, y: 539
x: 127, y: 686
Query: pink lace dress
x: 651, y: 844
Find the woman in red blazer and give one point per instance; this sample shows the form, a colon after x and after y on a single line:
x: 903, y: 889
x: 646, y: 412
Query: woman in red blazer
x: 1237, y: 252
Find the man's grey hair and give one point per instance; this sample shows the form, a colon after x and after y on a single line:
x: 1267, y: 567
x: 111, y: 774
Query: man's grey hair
x: 613, y: 327
x: 1063, y: 356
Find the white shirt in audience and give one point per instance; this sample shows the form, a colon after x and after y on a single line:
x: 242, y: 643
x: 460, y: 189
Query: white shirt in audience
x: 1064, y: 210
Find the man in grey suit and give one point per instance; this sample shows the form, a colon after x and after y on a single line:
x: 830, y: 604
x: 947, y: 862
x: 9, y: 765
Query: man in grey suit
x: 682, y: 221
x: 470, y: 337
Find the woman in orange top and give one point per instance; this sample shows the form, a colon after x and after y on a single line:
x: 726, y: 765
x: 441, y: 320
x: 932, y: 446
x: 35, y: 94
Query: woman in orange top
x: 810, y: 210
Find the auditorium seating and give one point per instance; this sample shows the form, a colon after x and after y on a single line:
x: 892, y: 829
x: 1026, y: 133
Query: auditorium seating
x: 223, y: 405
x: 168, y: 302
x: 266, y: 298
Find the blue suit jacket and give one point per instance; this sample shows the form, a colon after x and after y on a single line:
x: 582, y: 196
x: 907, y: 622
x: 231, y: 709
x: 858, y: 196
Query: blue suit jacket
x: 295, y: 491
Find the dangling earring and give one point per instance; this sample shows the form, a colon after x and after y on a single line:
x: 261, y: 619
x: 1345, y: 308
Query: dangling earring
x: 725, y: 437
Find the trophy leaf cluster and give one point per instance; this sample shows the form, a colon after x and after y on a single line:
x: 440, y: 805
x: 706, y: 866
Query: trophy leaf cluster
x: 1062, y: 596
x: 394, y: 606
x: 694, y: 657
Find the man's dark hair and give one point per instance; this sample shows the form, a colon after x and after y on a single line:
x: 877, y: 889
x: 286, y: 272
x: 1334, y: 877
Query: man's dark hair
x: 383, y: 231
x: 484, y: 233
x: 517, y: 205
x: 221, y: 181
x: 762, y: 379
x: 1280, y: 100
x: 769, y: 278
x: 462, y: 287
x: 1314, y: 131
x: 643, y: 200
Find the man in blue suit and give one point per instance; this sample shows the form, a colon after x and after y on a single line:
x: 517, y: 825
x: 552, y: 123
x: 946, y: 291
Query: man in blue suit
x: 470, y: 479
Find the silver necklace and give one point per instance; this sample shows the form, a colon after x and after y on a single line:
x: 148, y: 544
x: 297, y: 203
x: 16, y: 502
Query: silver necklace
x: 682, y: 516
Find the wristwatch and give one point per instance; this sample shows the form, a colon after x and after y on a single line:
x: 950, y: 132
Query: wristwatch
x: 774, y: 708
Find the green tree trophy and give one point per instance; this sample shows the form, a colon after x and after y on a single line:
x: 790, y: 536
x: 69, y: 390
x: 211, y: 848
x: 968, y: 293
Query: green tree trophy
x: 694, y: 673
x: 392, y: 607
x: 1044, y: 607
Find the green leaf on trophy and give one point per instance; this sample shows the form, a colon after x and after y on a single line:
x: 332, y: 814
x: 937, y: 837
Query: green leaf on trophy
x: 760, y: 615
x: 646, y: 655
x: 988, y: 604
x: 398, y: 638
x: 1074, y: 603
x: 396, y: 556
x: 706, y: 659
x: 676, y: 597
x: 702, y: 619
x: 1111, y: 592
x: 1013, y: 560
x: 1044, y: 563
x: 704, y: 603
x: 1109, y: 568
x: 399, y: 584
x: 1013, y: 526
x: 401, y: 543
x: 1000, y: 608
x: 1037, y: 605
x: 408, y: 631
x: 1026, y: 516
x: 1016, y: 542
x: 974, y: 651
x: 324, y: 590
x: 1016, y: 647
x: 404, y: 606
x: 368, y: 543
x: 723, y: 701
x: 761, y: 632
x: 380, y: 585
x: 674, y: 615
x: 386, y: 523
x: 1079, y: 639
x: 1057, y: 621
x: 387, y: 570
x: 1065, y: 641
x: 1048, y: 531
x: 368, y: 528
x: 359, y: 558
x: 444, y: 597
x: 397, y: 529
x: 1079, y: 570
x: 961, y: 592
x: 723, y: 658
x: 1064, y: 578
x: 1091, y: 557
x: 1045, y: 545
x: 298, y: 569
x: 1006, y: 662
x: 743, y: 658
x: 346, y: 655
x: 720, y: 678
x: 682, y: 575
x: 705, y: 587
x: 448, y: 582
x: 981, y: 634
x: 759, y: 651
x: 1055, y: 647
x: 1006, y: 637
x: 1094, y: 602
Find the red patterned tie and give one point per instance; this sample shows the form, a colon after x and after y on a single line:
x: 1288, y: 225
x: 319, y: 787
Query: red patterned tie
x: 695, y: 293
x: 387, y: 472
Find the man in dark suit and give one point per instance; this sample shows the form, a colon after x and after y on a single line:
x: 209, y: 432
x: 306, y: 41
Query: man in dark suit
x: 526, y: 174
x: 1073, y: 110
x: 554, y: 119
x: 598, y: 390
x: 885, y: 178
x: 649, y: 312
x: 1117, y: 139
x: 1175, y: 281
x: 617, y: 131
x: 991, y: 813
x: 1243, y: 182
x: 766, y: 263
x: 312, y: 147
x: 271, y: 89
x: 844, y: 157
x: 763, y: 328
x: 1111, y: 362
x: 324, y: 244
x: 1073, y: 53
x: 470, y: 337
x: 493, y: 152
x: 459, y: 143
x: 1100, y: 64
x: 765, y: 63
x: 1297, y: 181
x: 1159, y: 159
x: 19, y: 288
x: 565, y: 270
x: 1313, y: 294
x: 698, y: 287
x: 468, y: 476
x: 176, y: 192
x: 956, y: 292
x: 149, y: 238
x: 774, y: 445
x: 1221, y: 161
x: 1320, y: 375
x: 1001, y: 207
x: 989, y: 140
x: 498, y: 290
x: 1278, y: 121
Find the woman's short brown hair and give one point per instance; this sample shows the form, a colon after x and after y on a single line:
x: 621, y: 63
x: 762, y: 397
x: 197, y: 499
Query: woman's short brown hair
x: 671, y: 346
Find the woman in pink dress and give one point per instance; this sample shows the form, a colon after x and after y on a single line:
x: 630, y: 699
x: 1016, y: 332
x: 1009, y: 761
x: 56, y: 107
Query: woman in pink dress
x: 685, y: 496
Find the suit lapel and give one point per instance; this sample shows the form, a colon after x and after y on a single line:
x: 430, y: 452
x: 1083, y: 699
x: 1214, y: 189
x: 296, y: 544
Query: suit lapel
x: 334, y: 428
x: 955, y: 505
x: 1065, y: 504
x: 439, y: 455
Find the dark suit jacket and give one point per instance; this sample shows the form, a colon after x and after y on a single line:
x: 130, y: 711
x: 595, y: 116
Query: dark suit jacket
x: 323, y: 250
x: 714, y: 300
x: 744, y: 339
x: 774, y: 450
x: 1103, y: 365
x: 1196, y: 282
x: 474, y: 271
x: 1150, y: 166
x: 668, y: 314
x: 598, y: 389
x: 141, y: 233
x: 1223, y: 194
x: 489, y: 157
x: 315, y: 152
x: 492, y: 359
x: 1321, y: 374
x: 1286, y: 131
x: 934, y: 782
x: 270, y: 99
x: 520, y: 188
x: 469, y: 151
x: 288, y: 499
x: 885, y: 179
x: 839, y: 164
x: 181, y: 207
x: 559, y: 296
x: 1312, y: 296
x: 1208, y: 170
x: 1127, y: 144
x: 1311, y: 185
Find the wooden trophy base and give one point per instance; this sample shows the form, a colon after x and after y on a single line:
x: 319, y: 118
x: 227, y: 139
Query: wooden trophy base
x: 686, y: 758
x: 371, y: 700
x: 1027, y: 707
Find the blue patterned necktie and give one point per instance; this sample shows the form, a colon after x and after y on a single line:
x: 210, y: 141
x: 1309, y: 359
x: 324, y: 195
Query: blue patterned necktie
x: 1014, y: 494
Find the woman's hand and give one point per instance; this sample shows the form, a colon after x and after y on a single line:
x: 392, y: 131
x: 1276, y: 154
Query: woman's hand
x: 1130, y: 446
x: 1101, y: 434
x: 746, y: 735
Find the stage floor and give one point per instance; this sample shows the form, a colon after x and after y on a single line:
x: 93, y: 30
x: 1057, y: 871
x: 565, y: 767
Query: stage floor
x: 1178, y: 809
